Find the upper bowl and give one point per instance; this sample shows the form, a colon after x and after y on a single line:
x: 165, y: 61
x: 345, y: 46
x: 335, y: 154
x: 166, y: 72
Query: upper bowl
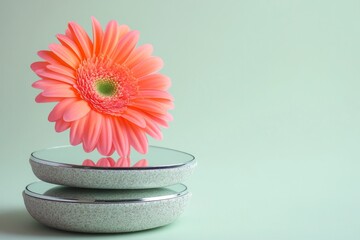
x: 158, y: 168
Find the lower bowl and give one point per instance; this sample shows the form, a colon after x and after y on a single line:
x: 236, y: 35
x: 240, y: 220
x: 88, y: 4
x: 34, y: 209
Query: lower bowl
x: 104, y: 211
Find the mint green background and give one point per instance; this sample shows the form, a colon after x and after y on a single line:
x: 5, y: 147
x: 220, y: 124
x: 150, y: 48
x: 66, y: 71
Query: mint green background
x: 267, y: 98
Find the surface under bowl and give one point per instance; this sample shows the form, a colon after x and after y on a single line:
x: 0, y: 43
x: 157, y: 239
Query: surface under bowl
x: 102, y: 210
x: 63, y: 166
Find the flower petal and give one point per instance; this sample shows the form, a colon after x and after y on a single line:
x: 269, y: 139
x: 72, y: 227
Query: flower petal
x: 125, y: 46
x: 97, y: 36
x: 69, y: 34
x: 139, y: 54
x: 38, y: 66
x: 65, y: 54
x: 148, y: 105
x: 69, y: 72
x: 104, y: 145
x: 160, y: 119
x: 154, y: 94
x: 112, y: 149
x: 148, y: 66
x: 123, y: 162
x: 88, y: 162
x: 92, y: 133
x: 76, y: 111
x: 45, y: 73
x: 166, y: 103
x: 111, y: 161
x: 70, y: 44
x: 77, y: 131
x: 103, y: 162
x: 42, y: 99
x: 50, y: 57
x: 61, y: 125
x: 59, y: 92
x: 122, y: 30
x: 155, y: 82
x: 120, y: 137
x: 81, y: 38
x: 137, y: 138
x: 166, y: 117
x: 141, y: 163
x: 153, y: 129
x: 110, y: 38
x: 48, y: 83
x: 135, y: 117
x: 58, y: 111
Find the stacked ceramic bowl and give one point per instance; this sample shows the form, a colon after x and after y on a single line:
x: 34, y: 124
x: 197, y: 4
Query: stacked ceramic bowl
x: 100, y: 198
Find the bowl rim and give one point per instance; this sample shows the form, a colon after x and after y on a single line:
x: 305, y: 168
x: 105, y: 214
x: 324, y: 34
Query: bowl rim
x: 68, y: 165
x: 33, y: 194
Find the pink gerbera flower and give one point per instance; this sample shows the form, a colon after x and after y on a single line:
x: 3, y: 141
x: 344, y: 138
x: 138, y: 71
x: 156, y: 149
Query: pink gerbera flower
x: 108, y: 90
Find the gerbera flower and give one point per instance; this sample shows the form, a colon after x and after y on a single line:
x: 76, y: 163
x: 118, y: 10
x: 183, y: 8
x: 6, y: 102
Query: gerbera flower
x: 108, y: 90
x: 110, y: 162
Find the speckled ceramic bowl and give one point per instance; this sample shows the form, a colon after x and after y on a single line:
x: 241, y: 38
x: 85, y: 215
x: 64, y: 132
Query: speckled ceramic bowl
x: 63, y: 165
x: 104, y: 211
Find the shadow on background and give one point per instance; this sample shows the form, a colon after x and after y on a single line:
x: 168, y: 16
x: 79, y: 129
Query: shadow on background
x: 19, y: 222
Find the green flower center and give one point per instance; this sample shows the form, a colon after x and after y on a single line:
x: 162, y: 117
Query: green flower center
x: 106, y: 87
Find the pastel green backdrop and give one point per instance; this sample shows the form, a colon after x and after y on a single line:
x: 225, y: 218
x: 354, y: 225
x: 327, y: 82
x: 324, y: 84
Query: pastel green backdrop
x: 267, y: 99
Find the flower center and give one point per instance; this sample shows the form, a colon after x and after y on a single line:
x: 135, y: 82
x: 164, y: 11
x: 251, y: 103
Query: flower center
x: 108, y: 87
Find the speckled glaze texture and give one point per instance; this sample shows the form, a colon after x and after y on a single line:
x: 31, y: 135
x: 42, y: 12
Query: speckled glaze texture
x: 105, y: 217
x: 112, y: 179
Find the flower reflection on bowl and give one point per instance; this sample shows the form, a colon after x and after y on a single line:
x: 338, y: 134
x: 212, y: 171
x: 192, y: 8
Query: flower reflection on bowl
x: 110, y: 162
